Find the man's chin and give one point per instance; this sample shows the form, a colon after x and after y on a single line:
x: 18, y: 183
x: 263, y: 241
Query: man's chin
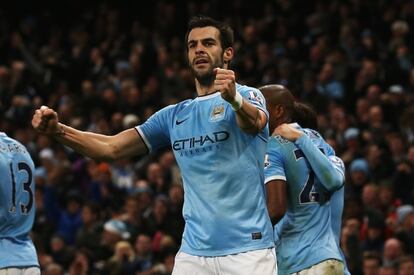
x: 205, y: 79
x: 203, y: 73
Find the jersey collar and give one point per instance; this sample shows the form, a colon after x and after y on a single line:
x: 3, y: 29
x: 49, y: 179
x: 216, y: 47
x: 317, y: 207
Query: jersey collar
x: 206, y: 97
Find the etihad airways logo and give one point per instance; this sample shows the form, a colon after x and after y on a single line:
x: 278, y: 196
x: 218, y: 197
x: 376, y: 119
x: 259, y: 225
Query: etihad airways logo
x: 200, y: 141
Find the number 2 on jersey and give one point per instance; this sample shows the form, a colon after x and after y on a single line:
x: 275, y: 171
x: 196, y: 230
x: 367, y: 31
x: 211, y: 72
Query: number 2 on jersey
x: 25, y: 208
x: 307, y: 195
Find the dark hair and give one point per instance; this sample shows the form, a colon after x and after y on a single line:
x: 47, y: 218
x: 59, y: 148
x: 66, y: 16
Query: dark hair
x: 279, y: 95
x: 372, y: 255
x: 95, y: 209
x: 405, y: 259
x: 304, y: 115
x: 200, y: 21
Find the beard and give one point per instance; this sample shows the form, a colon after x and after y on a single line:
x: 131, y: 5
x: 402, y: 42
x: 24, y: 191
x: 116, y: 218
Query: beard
x: 206, y: 78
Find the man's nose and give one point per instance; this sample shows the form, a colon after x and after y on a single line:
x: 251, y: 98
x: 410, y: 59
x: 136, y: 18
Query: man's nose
x: 200, y: 48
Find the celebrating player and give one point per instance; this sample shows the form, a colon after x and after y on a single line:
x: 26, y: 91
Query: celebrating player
x: 302, y: 175
x: 219, y: 141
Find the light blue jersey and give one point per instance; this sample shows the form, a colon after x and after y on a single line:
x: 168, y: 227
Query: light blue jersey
x: 222, y: 169
x: 337, y: 206
x: 17, y: 209
x: 304, y: 236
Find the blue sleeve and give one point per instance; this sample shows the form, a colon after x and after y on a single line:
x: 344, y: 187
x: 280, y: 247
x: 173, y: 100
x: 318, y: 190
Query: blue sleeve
x: 274, y: 165
x: 254, y: 96
x: 155, y: 131
x: 325, y: 168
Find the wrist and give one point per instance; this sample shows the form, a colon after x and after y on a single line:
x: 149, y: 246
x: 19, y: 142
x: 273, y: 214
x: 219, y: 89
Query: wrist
x: 237, y: 102
x: 300, y: 138
x: 297, y: 135
x: 60, y: 131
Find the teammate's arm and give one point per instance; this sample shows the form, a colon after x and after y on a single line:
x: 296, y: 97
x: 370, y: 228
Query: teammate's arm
x: 276, y: 199
x: 322, y: 166
x: 249, y: 118
x: 125, y: 144
x: 275, y: 181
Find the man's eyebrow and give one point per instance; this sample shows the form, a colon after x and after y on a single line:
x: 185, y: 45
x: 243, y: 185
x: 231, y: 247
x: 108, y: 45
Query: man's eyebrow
x: 208, y: 39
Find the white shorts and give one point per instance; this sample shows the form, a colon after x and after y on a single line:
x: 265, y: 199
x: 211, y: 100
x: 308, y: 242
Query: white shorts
x: 20, y: 271
x: 256, y: 262
x: 328, y: 267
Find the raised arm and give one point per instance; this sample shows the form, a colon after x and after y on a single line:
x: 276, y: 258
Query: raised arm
x: 249, y: 118
x: 101, y: 147
x: 327, y: 169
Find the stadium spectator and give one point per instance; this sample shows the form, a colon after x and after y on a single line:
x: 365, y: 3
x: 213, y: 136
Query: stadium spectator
x: 89, y: 234
x: 371, y: 263
x: 392, y: 252
x: 387, y: 270
x: 406, y: 265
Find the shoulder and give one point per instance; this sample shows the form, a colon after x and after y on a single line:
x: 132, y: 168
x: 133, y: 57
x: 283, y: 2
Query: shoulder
x: 246, y: 89
x: 278, y: 141
x: 174, y: 108
x: 277, y: 145
x: 18, y: 147
x: 180, y: 105
x: 313, y: 134
x: 250, y: 93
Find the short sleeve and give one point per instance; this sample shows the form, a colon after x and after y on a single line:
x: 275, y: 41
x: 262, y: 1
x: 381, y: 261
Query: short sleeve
x: 274, y: 165
x: 155, y: 132
x: 255, y: 97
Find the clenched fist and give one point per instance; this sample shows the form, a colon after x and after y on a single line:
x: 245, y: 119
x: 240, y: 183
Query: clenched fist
x: 225, y: 82
x: 45, y: 121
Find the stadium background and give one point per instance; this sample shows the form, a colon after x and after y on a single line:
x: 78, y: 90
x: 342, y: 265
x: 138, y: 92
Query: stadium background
x: 107, y: 66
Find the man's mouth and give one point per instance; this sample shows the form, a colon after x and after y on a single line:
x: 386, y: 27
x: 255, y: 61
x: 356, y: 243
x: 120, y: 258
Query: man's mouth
x: 200, y: 61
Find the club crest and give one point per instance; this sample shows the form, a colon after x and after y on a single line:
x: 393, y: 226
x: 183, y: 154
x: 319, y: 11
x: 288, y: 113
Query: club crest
x: 217, y: 113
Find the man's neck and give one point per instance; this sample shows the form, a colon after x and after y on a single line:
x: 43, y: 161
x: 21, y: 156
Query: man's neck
x: 203, y: 90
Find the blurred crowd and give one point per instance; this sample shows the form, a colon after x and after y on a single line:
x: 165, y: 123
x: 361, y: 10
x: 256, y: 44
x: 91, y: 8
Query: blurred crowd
x: 105, y: 67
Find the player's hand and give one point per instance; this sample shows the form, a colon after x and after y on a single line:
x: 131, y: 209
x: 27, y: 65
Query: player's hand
x: 225, y: 82
x: 45, y: 121
x: 288, y: 132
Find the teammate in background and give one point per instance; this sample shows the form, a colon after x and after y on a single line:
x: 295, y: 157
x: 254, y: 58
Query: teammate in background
x: 304, y: 178
x: 219, y: 141
x: 307, y: 118
x: 17, y: 209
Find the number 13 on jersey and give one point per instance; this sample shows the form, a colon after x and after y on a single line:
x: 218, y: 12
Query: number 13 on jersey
x: 21, y: 180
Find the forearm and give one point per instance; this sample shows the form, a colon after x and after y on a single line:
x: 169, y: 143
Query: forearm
x: 128, y: 143
x: 326, y: 172
x: 89, y: 144
x: 275, y: 214
x: 276, y: 200
x: 250, y: 118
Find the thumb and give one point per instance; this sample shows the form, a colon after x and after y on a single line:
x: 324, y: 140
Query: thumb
x: 216, y: 70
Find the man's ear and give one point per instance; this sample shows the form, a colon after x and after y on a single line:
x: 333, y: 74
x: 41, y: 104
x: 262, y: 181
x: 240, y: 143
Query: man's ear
x: 280, y: 110
x: 228, y: 55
